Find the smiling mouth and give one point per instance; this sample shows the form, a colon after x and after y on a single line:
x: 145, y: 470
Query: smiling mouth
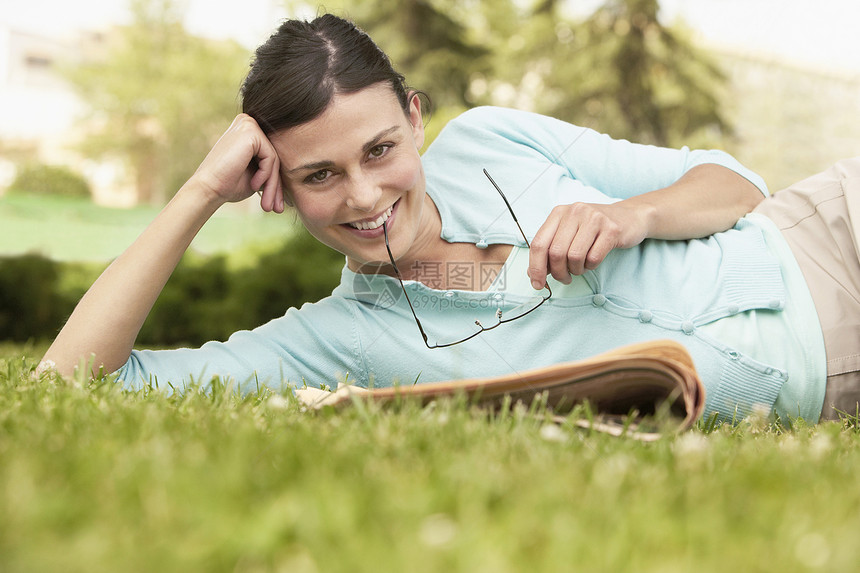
x: 372, y: 224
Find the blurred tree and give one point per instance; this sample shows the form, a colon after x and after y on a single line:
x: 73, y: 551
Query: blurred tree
x: 424, y: 40
x: 656, y: 87
x: 431, y: 42
x: 160, y: 97
x: 620, y: 70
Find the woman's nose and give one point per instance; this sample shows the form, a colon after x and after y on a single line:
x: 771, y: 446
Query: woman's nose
x: 363, y: 194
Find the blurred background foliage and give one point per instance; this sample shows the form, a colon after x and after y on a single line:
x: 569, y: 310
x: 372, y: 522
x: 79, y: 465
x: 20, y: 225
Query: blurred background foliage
x: 619, y: 70
x: 206, y: 298
x: 161, y: 97
x: 45, y: 179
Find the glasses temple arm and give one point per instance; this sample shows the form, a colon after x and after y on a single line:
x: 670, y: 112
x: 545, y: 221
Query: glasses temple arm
x: 507, y: 203
x: 402, y: 286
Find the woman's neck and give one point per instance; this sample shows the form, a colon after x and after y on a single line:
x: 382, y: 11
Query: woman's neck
x: 443, y: 265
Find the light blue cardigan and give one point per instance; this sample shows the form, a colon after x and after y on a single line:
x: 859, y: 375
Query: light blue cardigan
x: 364, y: 331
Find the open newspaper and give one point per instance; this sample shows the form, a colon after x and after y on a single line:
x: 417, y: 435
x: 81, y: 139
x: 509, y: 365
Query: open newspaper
x: 642, y: 390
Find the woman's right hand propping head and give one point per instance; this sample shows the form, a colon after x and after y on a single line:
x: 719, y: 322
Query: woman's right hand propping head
x: 241, y: 163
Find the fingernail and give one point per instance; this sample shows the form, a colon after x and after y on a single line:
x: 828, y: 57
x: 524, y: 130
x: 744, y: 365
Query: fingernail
x: 537, y: 285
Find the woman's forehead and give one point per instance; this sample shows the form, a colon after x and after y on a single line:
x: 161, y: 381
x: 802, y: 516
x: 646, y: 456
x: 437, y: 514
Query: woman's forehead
x: 351, y: 120
x: 373, y: 104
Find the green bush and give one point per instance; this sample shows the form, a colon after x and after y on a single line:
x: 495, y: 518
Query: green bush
x: 302, y: 270
x: 46, y: 179
x: 203, y: 300
x: 188, y: 309
x: 31, y: 304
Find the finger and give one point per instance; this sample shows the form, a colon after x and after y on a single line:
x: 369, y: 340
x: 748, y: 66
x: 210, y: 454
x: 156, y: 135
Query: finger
x: 596, y: 237
x: 271, y: 197
x: 610, y: 237
x: 259, y: 177
x: 273, y: 189
x: 559, y: 249
x: 274, y: 184
x: 538, y: 251
x: 267, y: 177
x: 580, y: 248
x: 598, y: 252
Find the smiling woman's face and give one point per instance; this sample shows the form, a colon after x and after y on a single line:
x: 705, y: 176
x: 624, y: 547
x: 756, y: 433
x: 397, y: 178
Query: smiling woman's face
x: 355, y: 166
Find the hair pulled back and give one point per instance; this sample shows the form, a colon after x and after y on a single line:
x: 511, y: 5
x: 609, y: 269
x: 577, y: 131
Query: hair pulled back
x: 300, y: 68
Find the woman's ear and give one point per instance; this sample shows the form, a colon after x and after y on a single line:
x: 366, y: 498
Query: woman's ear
x: 288, y: 201
x: 416, y: 119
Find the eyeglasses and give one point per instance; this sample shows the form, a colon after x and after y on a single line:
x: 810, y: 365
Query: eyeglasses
x: 512, y: 314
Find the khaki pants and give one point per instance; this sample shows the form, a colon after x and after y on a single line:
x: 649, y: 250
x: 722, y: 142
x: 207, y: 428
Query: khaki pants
x: 820, y: 219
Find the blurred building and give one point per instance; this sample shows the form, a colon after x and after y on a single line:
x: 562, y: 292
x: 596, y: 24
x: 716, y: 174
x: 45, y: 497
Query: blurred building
x: 41, y: 117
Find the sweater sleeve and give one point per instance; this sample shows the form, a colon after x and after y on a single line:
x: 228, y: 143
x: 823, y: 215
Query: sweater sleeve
x: 313, y: 345
x: 618, y: 168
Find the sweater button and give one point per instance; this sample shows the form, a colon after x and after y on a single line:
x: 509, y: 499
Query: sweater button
x: 733, y: 309
x: 482, y: 244
x: 645, y: 316
x: 598, y: 300
x: 775, y: 304
x: 688, y: 327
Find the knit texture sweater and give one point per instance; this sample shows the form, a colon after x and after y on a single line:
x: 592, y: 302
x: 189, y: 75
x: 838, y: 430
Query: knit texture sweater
x: 364, y: 332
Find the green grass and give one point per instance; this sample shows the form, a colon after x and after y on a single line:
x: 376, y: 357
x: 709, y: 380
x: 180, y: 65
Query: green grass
x: 93, y: 478
x: 66, y: 228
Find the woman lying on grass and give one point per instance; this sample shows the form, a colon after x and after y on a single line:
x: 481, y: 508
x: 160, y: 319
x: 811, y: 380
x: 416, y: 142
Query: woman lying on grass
x: 628, y: 243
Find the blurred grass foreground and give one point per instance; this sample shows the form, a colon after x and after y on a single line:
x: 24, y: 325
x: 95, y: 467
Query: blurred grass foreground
x: 97, y: 479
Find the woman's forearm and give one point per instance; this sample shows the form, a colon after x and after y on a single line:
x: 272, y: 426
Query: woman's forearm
x: 706, y: 200
x: 104, y: 325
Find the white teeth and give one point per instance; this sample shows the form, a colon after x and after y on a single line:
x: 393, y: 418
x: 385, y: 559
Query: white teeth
x: 368, y: 225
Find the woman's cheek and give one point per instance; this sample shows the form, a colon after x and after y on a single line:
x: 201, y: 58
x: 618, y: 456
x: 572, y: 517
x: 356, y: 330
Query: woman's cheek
x: 314, y: 213
x: 408, y: 176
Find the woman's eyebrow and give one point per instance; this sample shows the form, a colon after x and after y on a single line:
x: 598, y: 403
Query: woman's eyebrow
x: 312, y: 166
x: 373, y: 142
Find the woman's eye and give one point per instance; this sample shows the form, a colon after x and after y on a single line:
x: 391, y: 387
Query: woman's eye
x: 379, y: 150
x: 318, y: 176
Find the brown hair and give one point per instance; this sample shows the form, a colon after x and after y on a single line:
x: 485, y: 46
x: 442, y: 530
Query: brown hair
x: 295, y: 74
